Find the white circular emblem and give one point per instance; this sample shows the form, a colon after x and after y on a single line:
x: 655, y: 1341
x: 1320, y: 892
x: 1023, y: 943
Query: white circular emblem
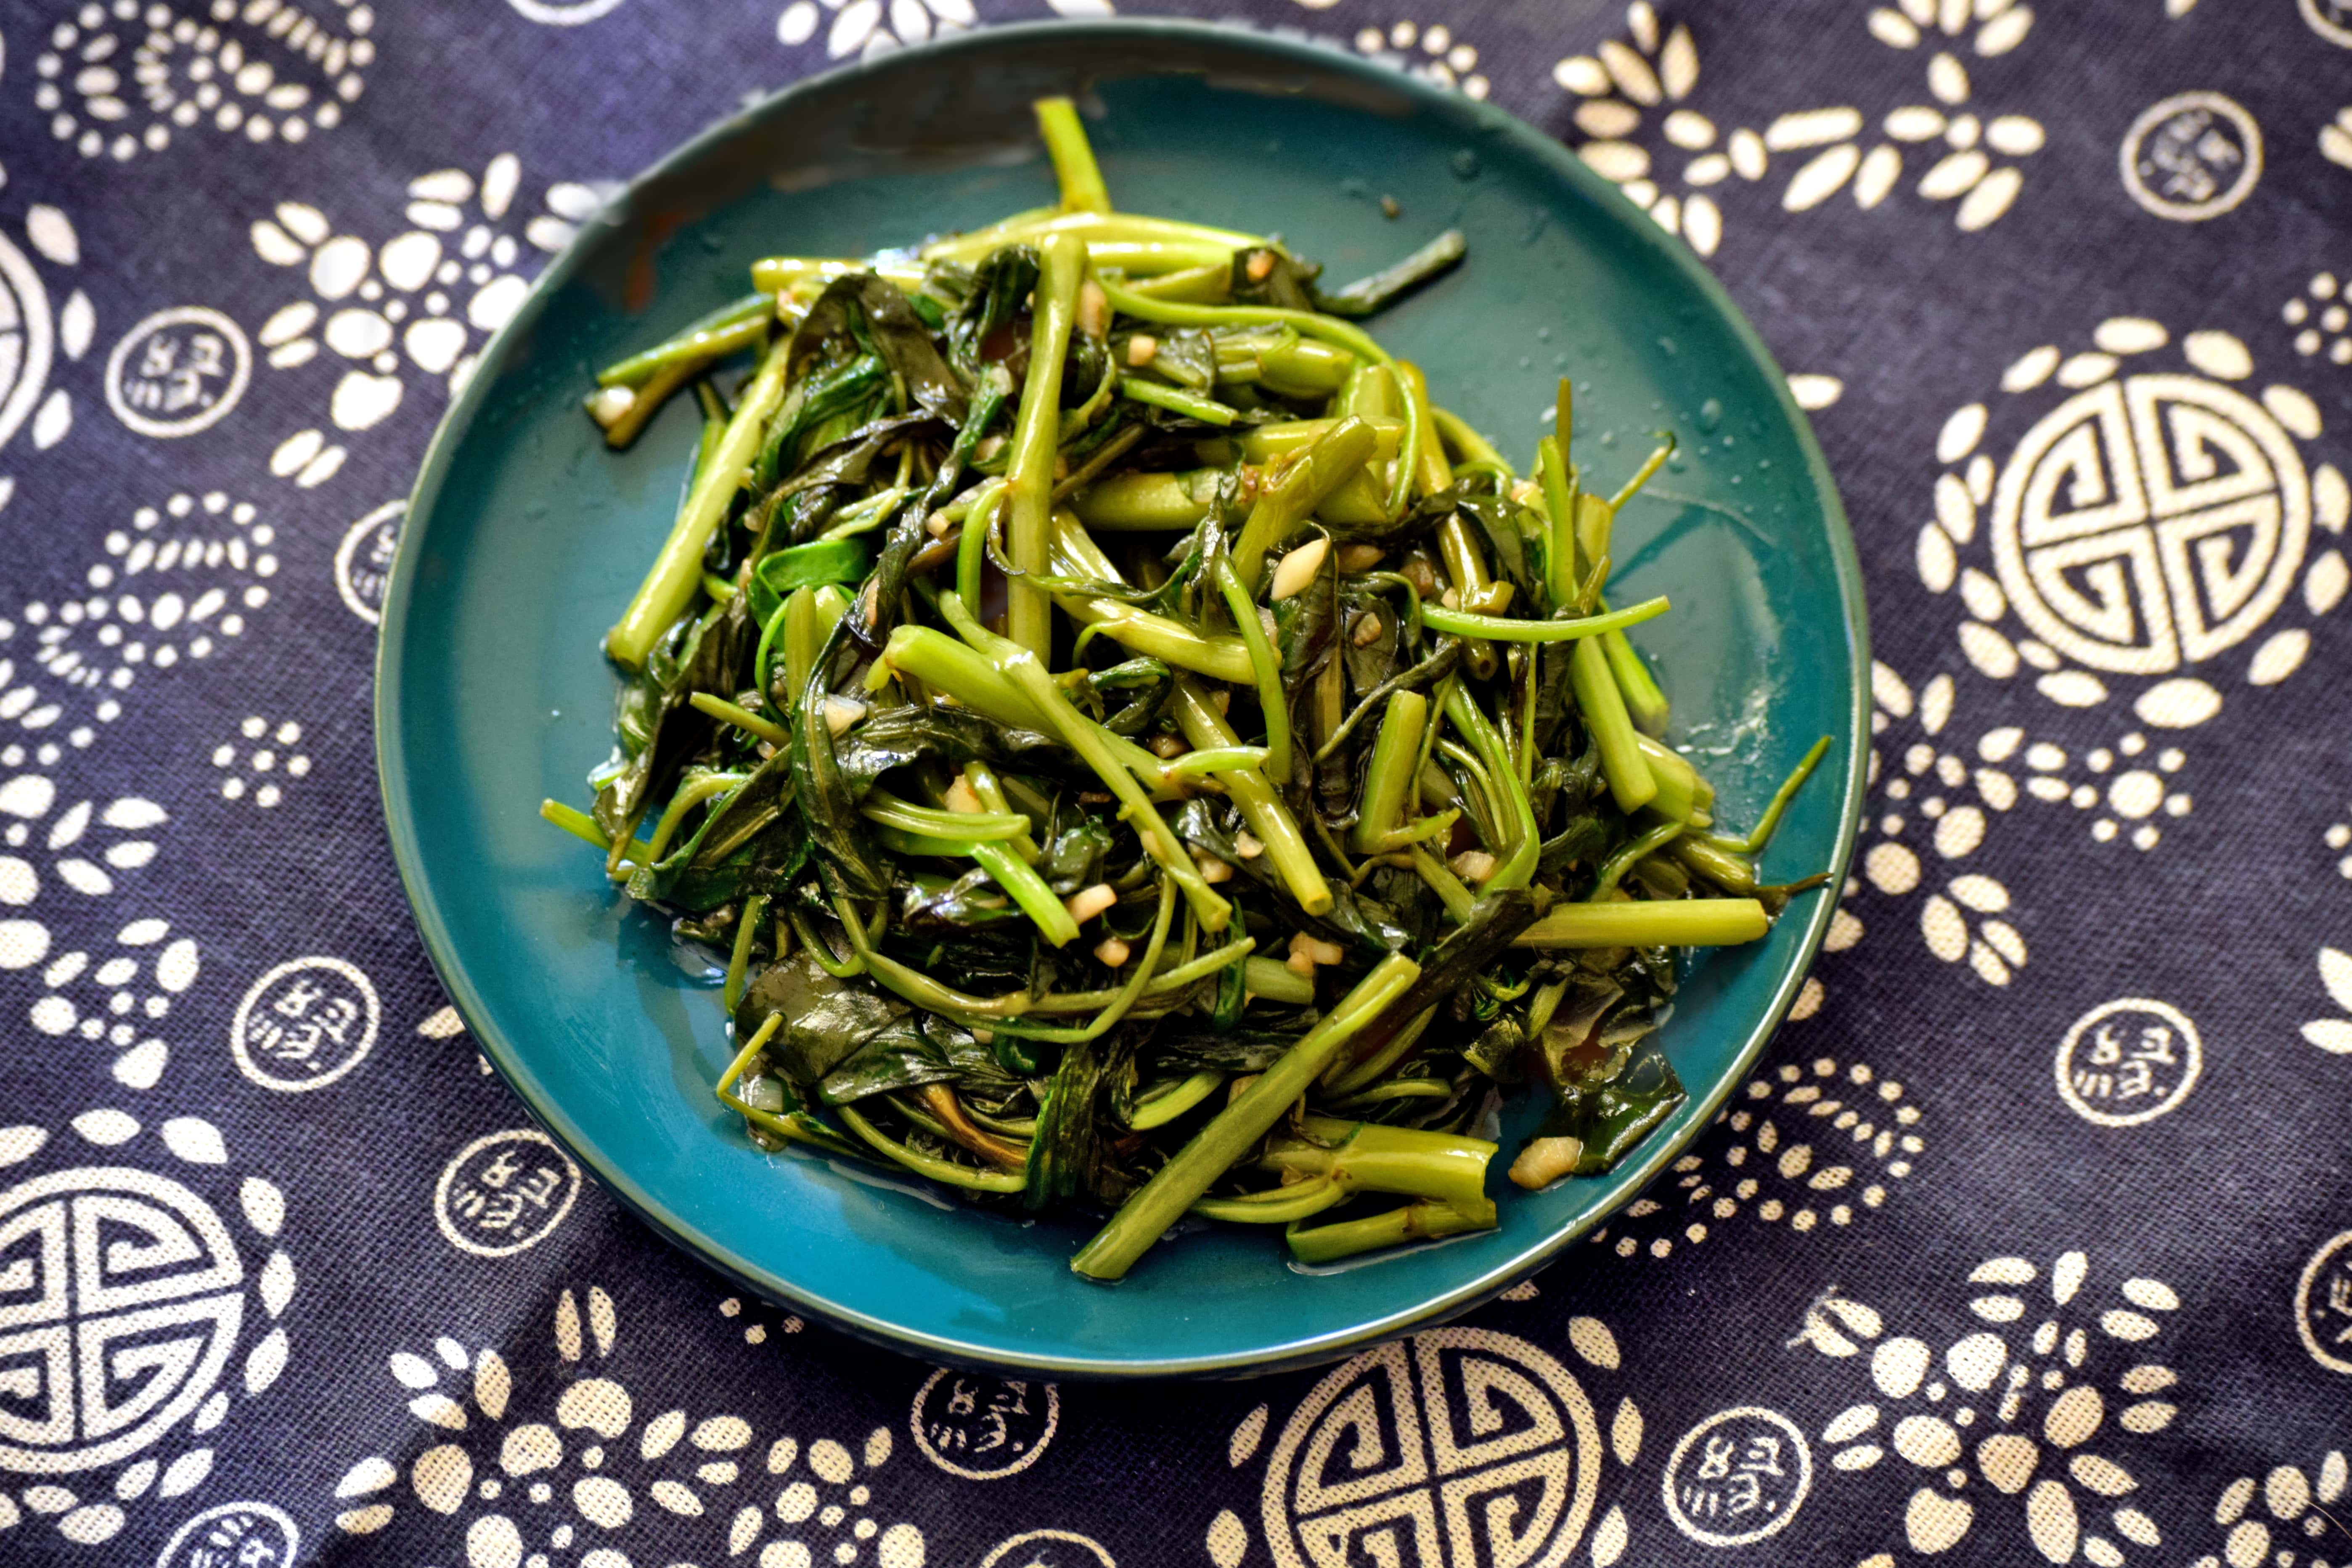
x: 2192, y: 157
x: 2323, y: 1304
x: 120, y: 1298
x: 27, y: 337
x: 1737, y: 1475
x: 2151, y: 522
x: 305, y: 1023
x: 1465, y: 1445
x: 2331, y: 19
x: 363, y: 560
x: 178, y: 371
x: 981, y: 1427
x: 1048, y: 1549
x: 2128, y: 1061
x: 233, y: 1535
x: 504, y: 1193
x: 571, y: 14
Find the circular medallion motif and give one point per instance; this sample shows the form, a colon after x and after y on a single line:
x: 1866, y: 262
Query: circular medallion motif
x: 2192, y: 157
x: 26, y: 338
x: 566, y: 14
x: 1738, y: 1476
x: 1464, y: 1445
x: 2151, y: 522
x: 304, y: 1025
x: 178, y: 371
x: 363, y: 560
x: 233, y: 1535
x: 1048, y: 1549
x: 505, y: 1193
x: 2331, y: 19
x: 120, y: 1298
x: 2323, y: 1304
x: 981, y: 1427
x: 2128, y: 1061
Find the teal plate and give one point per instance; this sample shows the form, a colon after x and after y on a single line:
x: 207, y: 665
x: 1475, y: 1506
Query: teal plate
x: 525, y: 538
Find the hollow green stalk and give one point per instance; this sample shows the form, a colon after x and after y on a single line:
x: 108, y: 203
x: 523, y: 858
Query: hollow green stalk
x: 1660, y: 922
x: 972, y: 549
x: 1255, y: 795
x: 1475, y: 449
x: 1277, y: 1205
x: 1770, y: 823
x: 583, y: 826
x: 1176, y: 400
x: 1368, y: 1156
x: 1603, y: 707
x: 882, y: 806
x: 1389, y: 781
x: 1614, y: 869
x: 1140, y: 503
x: 746, y: 926
x: 722, y: 333
x: 1309, y: 323
x: 1457, y: 898
x: 1506, y: 628
x: 1027, y: 673
x: 1434, y: 473
x: 1343, y: 1080
x: 1679, y: 787
x: 1270, y: 443
x: 1265, y: 671
x: 1179, y: 1098
x: 669, y: 588
x: 1424, y: 1221
x: 743, y: 719
x: 1518, y: 868
x: 778, y: 274
x: 1062, y: 265
x: 695, y: 789
x: 1233, y: 1131
x: 915, y: 986
x: 1122, y: 1000
x: 796, y: 1124
x: 1273, y: 981
x: 1074, y: 169
x: 1168, y: 981
x: 1026, y: 888
x: 1321, y: 467
x: 937, y: 1170
x: 1645, y: 702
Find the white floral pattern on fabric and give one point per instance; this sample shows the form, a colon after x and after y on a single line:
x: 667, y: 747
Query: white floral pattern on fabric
x: 416, y: 307
x: 174, y: 586
x: 1805, y: 1149
x: 119, y: 80
x: 1973, y: 160
x: 1433, y: 52
x: 528, y: 1454
x: 869, y: 28
x: 2008, y: 1407
x: 2258, y: 1517
x: 2320, y: 316
x: 141, y: 1334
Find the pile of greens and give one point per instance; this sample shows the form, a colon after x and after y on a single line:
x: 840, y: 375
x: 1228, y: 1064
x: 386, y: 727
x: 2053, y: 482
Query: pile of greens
x: 1140, y: 755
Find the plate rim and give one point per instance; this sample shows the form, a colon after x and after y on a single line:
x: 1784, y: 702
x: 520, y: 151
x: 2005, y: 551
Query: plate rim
x: 399, y: 820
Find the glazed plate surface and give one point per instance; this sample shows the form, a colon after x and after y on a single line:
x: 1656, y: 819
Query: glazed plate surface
x: 525, y: 538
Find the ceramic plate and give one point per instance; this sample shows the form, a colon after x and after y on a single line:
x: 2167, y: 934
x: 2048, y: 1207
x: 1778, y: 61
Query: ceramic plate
x: 524, y: 538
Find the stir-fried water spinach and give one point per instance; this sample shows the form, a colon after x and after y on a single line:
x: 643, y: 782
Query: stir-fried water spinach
x: 1139, y: 752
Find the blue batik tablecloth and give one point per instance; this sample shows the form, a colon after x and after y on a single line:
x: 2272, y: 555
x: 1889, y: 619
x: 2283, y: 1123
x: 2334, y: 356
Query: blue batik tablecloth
x: 2031, y: 1241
